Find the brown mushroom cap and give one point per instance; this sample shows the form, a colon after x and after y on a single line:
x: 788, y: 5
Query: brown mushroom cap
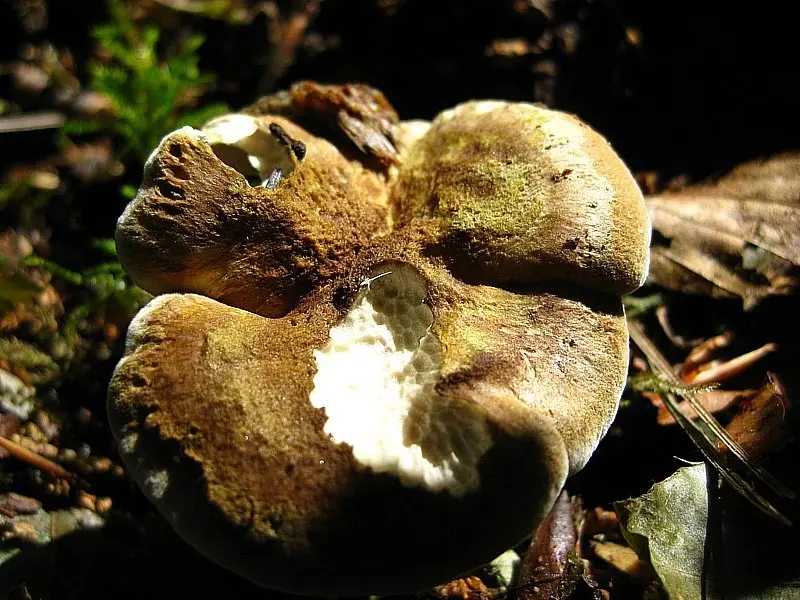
x: 197, y: 225
x: 378, y: 422
x: 526, y: 195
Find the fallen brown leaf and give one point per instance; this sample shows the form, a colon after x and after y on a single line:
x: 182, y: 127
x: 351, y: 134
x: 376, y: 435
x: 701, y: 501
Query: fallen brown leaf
x: 544, y: 567
x: 762, y: 425
x: 552, y: 568
x: 598, y: 521
x: 735, y: 466
x: 736, y: 236
x: 706, y: 350
x: 701, y: 368
x: 360, y: 112
x: 717, y: 372
x: 624, y: 560
x: 714, y: 401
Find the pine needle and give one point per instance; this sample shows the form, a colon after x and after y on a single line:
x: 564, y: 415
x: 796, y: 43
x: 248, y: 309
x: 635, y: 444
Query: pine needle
x: 707, y: 431
x: 655, y: 383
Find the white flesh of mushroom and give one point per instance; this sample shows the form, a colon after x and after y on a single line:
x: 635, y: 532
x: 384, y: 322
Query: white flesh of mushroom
x: 375, y: 379
x: 244, y: 143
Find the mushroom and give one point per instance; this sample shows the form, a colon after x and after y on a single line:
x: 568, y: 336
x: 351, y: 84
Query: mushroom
x: 362, y: 381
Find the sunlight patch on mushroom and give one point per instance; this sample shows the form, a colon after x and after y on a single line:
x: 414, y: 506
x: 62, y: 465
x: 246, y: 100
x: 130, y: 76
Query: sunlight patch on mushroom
x: 128, y: 443
x: 156, y: 482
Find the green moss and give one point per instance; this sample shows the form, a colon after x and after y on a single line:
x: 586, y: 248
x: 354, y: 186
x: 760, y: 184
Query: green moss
x: 492, y: 196
x: 151, y: 94
x: 652, y: 382
x: 39, y: 365
x: 102, y: 285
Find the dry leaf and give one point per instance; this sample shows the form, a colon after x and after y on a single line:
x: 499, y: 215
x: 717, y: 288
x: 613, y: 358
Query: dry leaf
x: 714, y: 401
x: 624, y: 560
x: 737, y: 236
x: 667, y: 526
x: 551, y: 568
x: 762, y: 425
x: 546, y: 563
x: 754, y: 559
x: 362, y: 113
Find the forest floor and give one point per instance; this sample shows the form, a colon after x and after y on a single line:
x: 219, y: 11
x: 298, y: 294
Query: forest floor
x: 684, y: 96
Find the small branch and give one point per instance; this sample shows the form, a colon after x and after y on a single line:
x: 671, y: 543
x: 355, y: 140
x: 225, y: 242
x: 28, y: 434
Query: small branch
x: 734, y: 366
x: 36, y: 460
x: 662, y: 315
x: 292, y: 31
x: 705, y: 350
x: 31, y: 122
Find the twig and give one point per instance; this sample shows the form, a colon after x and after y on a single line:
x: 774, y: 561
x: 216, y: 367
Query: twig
x: 705, y: 350
x: 37, y: 460
x: 733, y: 367
x: 707, y: 430
x: 292, y: 32
x: 31, y: 122
x: 662, y: 315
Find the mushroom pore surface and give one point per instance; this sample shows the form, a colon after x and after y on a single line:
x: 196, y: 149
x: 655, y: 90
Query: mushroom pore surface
x: 387, y: 408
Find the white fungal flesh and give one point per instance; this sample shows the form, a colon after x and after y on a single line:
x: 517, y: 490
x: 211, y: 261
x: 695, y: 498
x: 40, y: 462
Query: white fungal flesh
x: 244, y: 143
x: 375, y: 379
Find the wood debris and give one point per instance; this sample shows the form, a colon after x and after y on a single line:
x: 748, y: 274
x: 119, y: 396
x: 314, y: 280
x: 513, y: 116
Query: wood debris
x: 738, y: 236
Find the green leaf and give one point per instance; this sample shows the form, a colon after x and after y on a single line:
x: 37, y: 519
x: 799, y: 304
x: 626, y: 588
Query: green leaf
x: 667, y: 527
x: 754, y: 557
x: 503, y: 570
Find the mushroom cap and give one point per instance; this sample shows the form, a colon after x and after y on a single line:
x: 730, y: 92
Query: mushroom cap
x: 332, y: 396
x: 528, y: 195
x: 198, y: 225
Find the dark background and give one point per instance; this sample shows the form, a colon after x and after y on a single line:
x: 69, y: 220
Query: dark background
x: 677, y: 86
